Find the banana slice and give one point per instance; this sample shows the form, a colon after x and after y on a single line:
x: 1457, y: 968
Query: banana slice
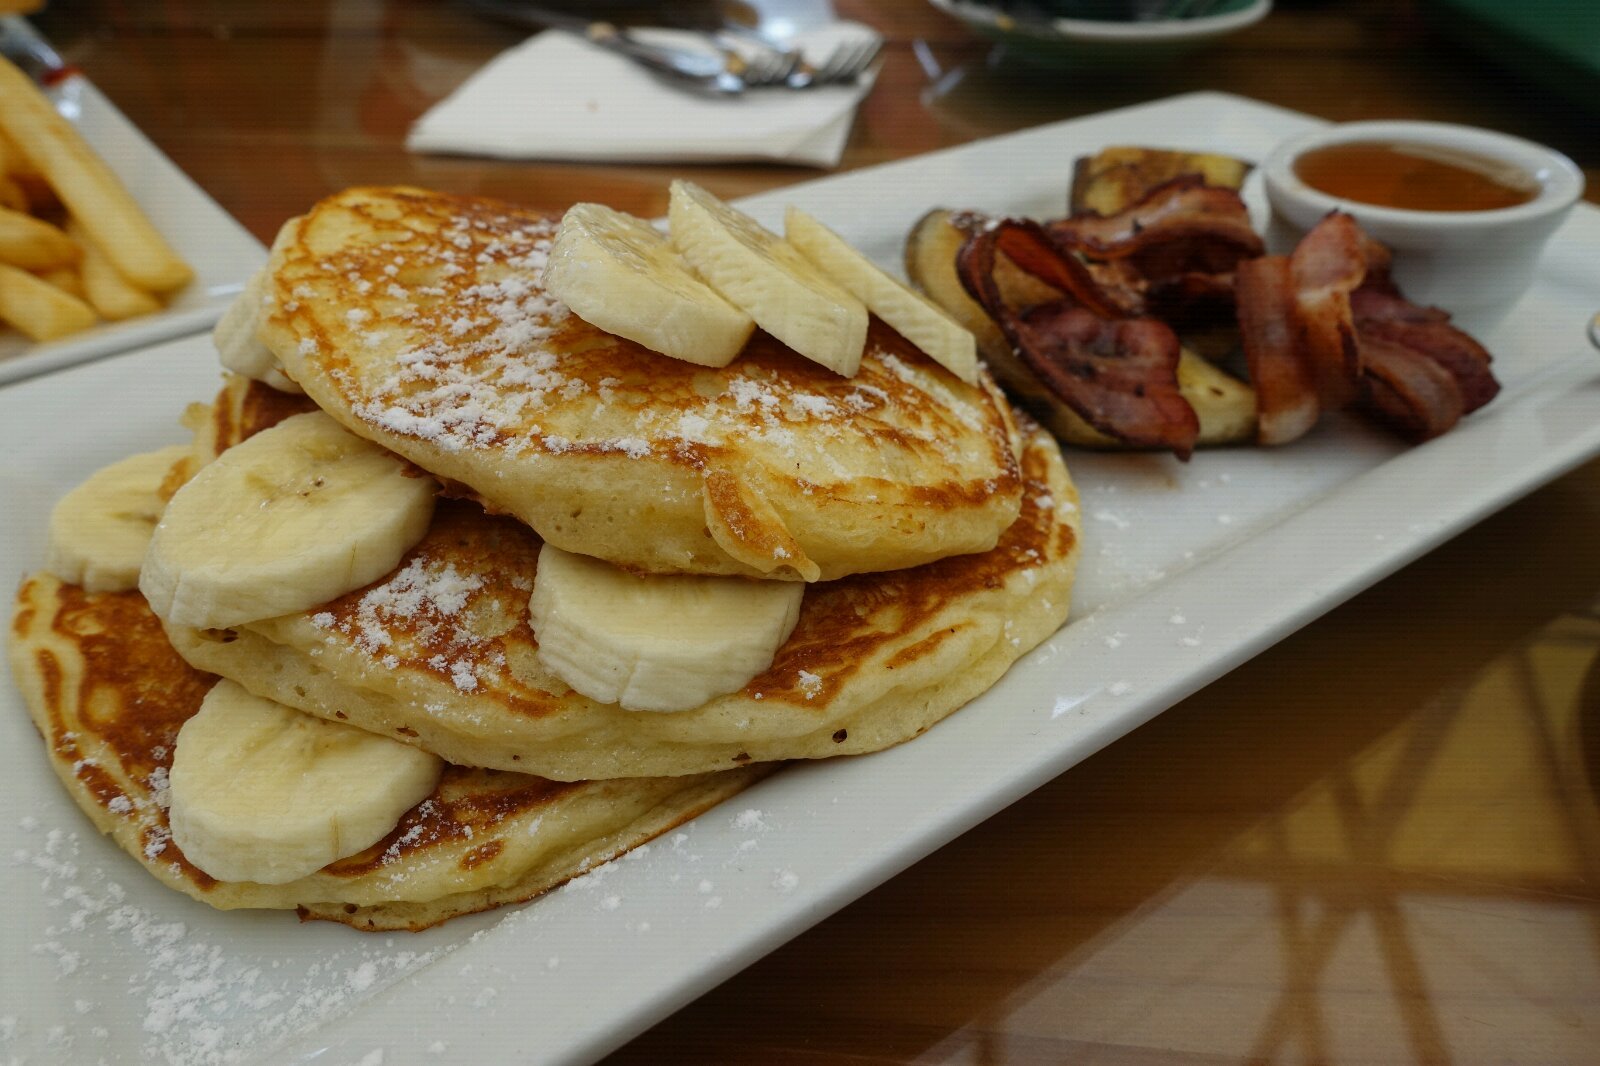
x: 261, y: 792
x: 239, y: 349
x: 99, y: 530
x: 909, y: 313
x: 655, y: 642
x: 616, y: 272
x: 293, y: 517
x: 766, y: 278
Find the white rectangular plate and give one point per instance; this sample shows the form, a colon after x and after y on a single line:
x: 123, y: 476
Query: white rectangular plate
x: 1188, y: 570
x: 222, y: 252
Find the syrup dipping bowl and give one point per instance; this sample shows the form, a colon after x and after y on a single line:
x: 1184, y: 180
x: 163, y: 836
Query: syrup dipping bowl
x: 1452, y: 258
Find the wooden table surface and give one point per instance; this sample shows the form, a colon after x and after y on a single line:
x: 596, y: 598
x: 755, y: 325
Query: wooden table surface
x: 1377, y: 842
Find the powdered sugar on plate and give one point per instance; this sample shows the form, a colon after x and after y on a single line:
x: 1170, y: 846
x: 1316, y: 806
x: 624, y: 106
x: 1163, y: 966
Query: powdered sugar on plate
x: 179, y: 984
x: 196, y: 998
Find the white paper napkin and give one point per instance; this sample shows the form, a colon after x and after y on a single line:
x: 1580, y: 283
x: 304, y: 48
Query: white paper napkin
x: 556, y: 96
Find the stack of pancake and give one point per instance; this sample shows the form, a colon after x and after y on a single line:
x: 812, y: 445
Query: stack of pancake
x: 456, y: 594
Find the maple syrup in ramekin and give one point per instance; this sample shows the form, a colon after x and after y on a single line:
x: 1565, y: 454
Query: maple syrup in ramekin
x: 1414, y: 177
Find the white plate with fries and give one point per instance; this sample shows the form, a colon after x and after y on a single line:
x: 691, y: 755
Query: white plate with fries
x: 66, y: 296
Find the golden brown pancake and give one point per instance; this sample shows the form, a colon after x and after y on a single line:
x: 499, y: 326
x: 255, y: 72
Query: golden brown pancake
x: 419, y: 320
x: 108, y: 694
x: 440, y: 653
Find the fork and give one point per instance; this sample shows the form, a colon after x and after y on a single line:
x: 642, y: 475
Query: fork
x: 845, y: 63
x: 787, y: 68
x: 768, y: 65
x: 728, y: 71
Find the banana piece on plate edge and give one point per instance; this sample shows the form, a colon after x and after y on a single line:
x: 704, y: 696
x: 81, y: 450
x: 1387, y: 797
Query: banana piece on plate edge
x: 1225, y: 405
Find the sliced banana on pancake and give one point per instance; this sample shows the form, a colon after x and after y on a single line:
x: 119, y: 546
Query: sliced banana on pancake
x: 261, y: 792
x: 768, y: 279
x: 239, y: 348
x: 616, y: 272
x: 293, y: 517
x: 655, y: 642
x: 99, y: 531
x: 912, y: 315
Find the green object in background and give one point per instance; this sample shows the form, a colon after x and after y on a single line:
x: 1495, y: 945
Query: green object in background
x: 1555, y: 43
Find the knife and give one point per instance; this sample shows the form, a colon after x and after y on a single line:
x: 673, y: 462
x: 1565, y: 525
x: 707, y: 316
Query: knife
x: 700, y: 69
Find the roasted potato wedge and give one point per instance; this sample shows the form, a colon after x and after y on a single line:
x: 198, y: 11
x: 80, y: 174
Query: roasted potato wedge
x: 1225, y: 405
x: 1116, y: 178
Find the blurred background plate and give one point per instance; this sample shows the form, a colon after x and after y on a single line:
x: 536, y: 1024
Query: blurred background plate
x: 1031, y: 34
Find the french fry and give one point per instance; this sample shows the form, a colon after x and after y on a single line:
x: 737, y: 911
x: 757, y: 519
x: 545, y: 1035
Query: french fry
x: 31, y: 244
x: 12, y: 161
x: 87, y: 186
x: 12, y: 197
x: 112, y: 296
x: 67, y: 280
x: 38, y: 308
x: 42, y: 198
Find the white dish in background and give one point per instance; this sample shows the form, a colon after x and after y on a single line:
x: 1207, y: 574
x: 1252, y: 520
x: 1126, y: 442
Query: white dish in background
x: 222, y: 252
x: 1188, y: 570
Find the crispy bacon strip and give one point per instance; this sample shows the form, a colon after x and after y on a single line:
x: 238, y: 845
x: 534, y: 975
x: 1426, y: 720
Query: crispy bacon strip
x: 1119, y: 374
x: 1363, y: 340
x: 1180, y: 226
x: 1408, y: 390
x: 1286, y: 394
x: 1192, y: 300
x: 1029, y: 246
x: 1385, y: 315
x: 1325, y: 267
x: 1379, y: 259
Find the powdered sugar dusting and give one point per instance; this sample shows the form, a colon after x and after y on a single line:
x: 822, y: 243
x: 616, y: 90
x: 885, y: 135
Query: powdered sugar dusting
x: 469, y: 295
x: 427, y: 601
x: 180, y: 984
x: 195, y: 1001
x: 464, y: 349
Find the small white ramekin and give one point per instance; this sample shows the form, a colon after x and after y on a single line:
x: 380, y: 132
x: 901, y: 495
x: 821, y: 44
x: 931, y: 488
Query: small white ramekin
x: 1451, y: 259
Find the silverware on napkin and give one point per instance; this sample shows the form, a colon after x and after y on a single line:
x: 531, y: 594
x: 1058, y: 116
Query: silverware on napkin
x: 707, y: 71
x: 753, y: 63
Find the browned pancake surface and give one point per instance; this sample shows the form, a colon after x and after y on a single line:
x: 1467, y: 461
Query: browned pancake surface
x: 440, y: 653
x: 109, y: 695
x: 419, y: 320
